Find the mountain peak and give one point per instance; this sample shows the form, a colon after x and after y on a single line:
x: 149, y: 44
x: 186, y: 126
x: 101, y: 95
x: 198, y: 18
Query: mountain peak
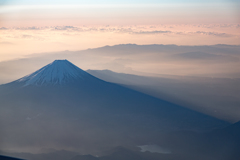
x: 57, y: 72
x: 61, y: 61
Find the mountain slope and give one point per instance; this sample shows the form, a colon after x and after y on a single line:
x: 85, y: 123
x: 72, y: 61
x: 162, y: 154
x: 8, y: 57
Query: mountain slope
x: 217, y: 97
x: 57, y: 72
x: 75, y: 110
x: 8, y: 158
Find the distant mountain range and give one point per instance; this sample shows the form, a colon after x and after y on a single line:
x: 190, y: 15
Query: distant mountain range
x: 61, y: 106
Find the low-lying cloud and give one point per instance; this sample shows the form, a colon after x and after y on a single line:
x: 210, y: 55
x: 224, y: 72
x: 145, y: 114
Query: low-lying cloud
x: 213, y: 34
x: 132, y: 30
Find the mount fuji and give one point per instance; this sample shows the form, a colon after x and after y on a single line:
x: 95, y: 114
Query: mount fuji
x: 61, y: 106
x: 58, y: 72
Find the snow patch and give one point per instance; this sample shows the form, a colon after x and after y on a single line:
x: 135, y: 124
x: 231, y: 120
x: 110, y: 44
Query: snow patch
x: 57, y: 72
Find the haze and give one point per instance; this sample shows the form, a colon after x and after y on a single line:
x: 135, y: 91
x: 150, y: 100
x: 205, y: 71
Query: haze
x: 179, y: 53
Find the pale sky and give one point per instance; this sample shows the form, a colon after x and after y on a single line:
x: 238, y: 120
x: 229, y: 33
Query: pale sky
x: 28, y: 27
x: 115, y: 1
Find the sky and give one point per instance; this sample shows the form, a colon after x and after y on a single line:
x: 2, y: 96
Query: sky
x: 115, y: 1
x: 29, y: 27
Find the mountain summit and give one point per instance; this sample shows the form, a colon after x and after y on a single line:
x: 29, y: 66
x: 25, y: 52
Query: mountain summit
x: 57, y: 72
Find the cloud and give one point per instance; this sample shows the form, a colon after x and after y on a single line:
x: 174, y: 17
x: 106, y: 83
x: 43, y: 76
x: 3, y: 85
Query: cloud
x: 152, y: 32
x: 3, y: 28
x: 66, y: 28
x: 6, y: 43
x: 213, y: 26
x: 130, y: 31
x: 28, y: 28
x: 213, y: 34
x: 140, y: 30
x: 27, y: 36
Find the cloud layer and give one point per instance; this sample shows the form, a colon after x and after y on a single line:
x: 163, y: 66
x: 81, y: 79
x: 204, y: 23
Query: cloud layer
x: 36, y: 39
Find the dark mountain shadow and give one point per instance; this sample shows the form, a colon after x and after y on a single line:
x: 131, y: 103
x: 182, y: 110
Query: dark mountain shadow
x: 218, y: 97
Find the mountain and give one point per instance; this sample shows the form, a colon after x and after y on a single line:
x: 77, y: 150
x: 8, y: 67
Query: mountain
x: 84, y: 157
x: 49, y: 155
x: 217, y: 97
x: 233, y: 129
x: 57, y: 72
x: 121, y: 153
x: 8, y: 158
x: 61, y: 106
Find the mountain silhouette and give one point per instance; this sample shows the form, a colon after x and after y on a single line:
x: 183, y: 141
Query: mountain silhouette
x: 8, y: 158
x: 61, y: 106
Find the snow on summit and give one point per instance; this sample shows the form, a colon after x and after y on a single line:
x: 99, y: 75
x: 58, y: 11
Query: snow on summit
x: 57, y: 72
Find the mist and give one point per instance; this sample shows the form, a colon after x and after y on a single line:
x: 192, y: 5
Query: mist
x: 220, y: 61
